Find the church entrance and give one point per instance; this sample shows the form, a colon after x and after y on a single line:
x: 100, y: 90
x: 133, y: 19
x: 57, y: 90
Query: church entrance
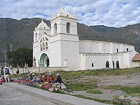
x: 117, y: 65
x: 44, y: 60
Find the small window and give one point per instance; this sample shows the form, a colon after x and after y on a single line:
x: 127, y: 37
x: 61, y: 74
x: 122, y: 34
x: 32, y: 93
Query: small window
x: 117, y: 50
x: 55, y: 28
x: 68, y: 27
x: 46, y: 45
x: 92, y: 64
x: 127, y: 49
x: 67, y: 15
x: 40, y: 47
x: 44, y: 27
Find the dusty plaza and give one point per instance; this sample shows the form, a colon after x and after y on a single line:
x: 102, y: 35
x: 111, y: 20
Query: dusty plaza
x: 104, y: 86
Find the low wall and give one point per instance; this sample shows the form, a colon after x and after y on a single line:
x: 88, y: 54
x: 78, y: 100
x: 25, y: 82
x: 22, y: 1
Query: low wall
x: 37, y: 69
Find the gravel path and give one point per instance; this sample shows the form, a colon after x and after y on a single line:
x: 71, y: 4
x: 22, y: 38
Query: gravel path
x: 10, y: 96
x: 17, y: 94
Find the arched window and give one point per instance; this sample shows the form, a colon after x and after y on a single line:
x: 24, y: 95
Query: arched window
x: 46, y: 45
x: 117, y: 65
x: 46, y: 39
x: 68, y: 27
x: 55, y: 28
x: 40, y: 47
x: 127, y: 49
x: 117, y: 50
x: 92, y: 64
x: 43, y: 46
x: 107, y: 64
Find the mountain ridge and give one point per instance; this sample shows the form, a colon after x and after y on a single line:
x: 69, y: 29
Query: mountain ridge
x: 19, y: 33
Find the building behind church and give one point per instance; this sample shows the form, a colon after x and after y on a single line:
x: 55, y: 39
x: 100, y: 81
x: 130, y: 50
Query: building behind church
x: 59, y: 45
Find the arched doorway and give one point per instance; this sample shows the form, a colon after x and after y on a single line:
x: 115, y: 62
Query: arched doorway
x: 117, y: 65
x: 107, y: 64
x: 44, y: 60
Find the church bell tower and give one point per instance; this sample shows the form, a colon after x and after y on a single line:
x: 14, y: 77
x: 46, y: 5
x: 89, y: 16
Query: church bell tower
x: 65, y: 40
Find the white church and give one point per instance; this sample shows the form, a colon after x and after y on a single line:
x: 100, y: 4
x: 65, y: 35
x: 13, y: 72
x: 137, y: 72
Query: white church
x: 60, y: 46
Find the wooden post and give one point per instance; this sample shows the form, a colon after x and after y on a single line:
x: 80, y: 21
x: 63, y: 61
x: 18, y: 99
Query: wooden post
x: 39, y: 65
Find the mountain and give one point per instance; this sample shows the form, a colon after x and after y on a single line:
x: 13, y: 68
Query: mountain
x: 19, y: 33
x: 129, y: 34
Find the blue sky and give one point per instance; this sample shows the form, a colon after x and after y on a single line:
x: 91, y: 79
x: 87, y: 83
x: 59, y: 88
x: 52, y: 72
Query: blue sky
x: 116, y: 13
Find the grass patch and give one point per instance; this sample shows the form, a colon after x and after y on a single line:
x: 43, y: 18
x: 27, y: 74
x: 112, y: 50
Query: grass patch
x: 80, y: 87
x: 94, y: 92
x: 128, y: 90
x: 115, y: 87
x: 131, y: 90
x: 23, y: 75
x: 98, y: 100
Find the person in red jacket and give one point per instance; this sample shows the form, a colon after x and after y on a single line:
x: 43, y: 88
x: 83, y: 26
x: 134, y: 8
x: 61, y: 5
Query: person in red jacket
x: 45, y: 78
x: 51, y: 78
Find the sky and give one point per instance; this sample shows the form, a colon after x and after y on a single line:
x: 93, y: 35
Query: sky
x: 113, y: 13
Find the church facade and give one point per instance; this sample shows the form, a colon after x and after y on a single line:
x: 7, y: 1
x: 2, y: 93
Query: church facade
x: 59, y: 46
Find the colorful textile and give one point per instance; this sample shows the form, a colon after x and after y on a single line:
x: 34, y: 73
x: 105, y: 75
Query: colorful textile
x: 38, y: 85
x: 31, y: 84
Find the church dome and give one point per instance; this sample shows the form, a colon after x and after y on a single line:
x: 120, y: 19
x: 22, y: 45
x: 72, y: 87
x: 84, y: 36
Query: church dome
x: 43, y: 25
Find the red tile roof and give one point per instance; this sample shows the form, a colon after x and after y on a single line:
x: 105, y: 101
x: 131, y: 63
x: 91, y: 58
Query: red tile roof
x: 136, y: 57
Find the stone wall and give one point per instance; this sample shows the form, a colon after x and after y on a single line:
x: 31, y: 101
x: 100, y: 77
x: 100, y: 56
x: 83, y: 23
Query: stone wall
x: 37, y: 70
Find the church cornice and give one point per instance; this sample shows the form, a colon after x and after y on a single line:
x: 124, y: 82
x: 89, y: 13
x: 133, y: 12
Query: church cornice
x: 63, y: 40
x: 108, y: 54
x: 64, y: 34
x: 41, y: 29
x: 63, y: 17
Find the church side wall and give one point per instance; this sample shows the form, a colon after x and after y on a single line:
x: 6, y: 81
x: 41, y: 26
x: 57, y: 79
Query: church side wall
x: 98, y: 61
x: 88, y: 46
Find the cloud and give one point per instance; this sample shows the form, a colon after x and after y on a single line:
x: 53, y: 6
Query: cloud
x: 117, y: 13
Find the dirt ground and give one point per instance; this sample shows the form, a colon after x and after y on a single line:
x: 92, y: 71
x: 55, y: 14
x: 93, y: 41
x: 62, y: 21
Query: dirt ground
x: 131, y: 80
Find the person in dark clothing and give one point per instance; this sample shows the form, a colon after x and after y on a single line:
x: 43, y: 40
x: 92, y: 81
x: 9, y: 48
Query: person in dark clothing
x: 58, y: 80
x: 2, y: 71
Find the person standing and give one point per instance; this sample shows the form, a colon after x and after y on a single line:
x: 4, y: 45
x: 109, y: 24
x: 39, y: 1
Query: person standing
x: 2, y: 71
x: 7, y: 73
x: 17, y: 72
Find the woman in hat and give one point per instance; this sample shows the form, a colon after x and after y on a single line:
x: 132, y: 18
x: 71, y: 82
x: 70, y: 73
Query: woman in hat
x: 58, y: 80
x: 51, y: 78
x: 35, y: 78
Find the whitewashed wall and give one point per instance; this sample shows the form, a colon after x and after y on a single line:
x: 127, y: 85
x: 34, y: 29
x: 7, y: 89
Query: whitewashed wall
x: 37, y: 70
x: 90, y: 46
